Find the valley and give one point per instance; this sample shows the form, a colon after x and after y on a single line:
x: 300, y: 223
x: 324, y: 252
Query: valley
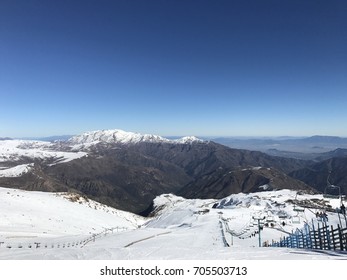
x: 82, y: 198
x: 128, y: 170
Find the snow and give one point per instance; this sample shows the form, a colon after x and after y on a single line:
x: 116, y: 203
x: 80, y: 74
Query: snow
x: 18, y: 150
x: 254, y: 168
x: 91, y: 138
x: 16, y: 171
x: 264, y: 187
x: 115, y: 136
x: 188, y: 140
x: 14, y: 150
x: 181, y: 228
x: 28, y: 217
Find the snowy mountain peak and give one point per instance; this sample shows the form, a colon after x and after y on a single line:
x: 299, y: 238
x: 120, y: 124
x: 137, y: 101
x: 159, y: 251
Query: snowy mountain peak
x: 189, y: 140
x: 115, y: 136
x: 124, y: 137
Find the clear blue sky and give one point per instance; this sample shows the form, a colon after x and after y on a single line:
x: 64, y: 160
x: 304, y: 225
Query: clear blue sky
x: 226, y: 68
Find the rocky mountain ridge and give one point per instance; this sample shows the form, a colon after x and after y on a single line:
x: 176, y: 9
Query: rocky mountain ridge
x: 117, y: 136
x: 127, y: 170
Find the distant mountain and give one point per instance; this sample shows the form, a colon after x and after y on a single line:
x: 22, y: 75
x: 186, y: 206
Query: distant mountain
x: 332, y: 154
x: 127, y: 170
x: 5, y: 138
x: 296, y: 155
x: 221, y: 182
x: 55, y: 138
x: 314, y: 144
x: 318, y: 139
x: 317, y: 174
x: 49, y: 138
x: 117, y: 136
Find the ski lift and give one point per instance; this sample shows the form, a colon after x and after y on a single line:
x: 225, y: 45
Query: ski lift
x: 298, y: 208
x: 269, y: 219
x: 282, y: 215
x: 296, y: 219
x: 331, y: 191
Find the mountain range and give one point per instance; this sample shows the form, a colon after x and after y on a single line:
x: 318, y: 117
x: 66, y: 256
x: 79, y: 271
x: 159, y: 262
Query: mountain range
x: 296, y: 147
x: 128, y: 170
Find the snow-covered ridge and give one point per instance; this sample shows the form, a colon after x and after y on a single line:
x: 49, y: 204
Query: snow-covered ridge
x: 124, y: 137
x: 14, y: 150
x: 116, y: 136
x: 25, y: 152
x: 19, y: 151
x: 188, y: 140
x: 16, y: 171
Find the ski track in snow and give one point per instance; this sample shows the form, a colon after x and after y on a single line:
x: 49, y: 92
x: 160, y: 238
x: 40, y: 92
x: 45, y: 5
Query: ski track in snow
x: 183, y: 229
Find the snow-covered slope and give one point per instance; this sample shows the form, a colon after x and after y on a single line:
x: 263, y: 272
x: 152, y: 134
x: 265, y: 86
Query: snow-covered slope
x: 181, y: 228
x: 123, y: 137
x: 26, y: 214
x: 280, y: 211
x: 16, y: 171
x: 14, y: 152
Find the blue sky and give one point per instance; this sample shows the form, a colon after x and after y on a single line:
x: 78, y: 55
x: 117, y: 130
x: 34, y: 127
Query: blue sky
x: 205, y: 68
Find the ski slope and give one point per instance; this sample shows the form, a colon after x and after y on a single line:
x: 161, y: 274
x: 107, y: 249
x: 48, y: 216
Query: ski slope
x: 181, y: 229
x: 29, y: 217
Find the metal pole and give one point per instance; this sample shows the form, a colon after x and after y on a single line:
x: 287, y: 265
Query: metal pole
x: 338, y: 213
x: 259, y: 229
x: 259, y: 232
